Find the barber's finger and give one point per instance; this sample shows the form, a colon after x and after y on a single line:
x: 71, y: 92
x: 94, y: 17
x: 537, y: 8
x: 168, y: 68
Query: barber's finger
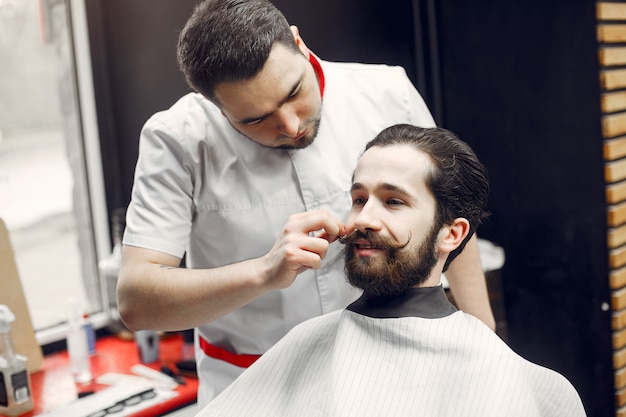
x: 331, y: 236
x: 310, y: 260
x: 312, y: 253
x: 316, y: 223
x: 318, y: 246
x: 305, y: 252
x: 344, y: 231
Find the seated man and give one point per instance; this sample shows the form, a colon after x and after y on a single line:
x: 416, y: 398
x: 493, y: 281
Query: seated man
x: 402, y: 349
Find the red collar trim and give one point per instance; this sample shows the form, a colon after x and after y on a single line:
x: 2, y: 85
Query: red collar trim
x: 317, y: 67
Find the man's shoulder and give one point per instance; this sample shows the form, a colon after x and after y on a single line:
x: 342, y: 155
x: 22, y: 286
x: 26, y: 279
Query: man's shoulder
x: 355, y: 72
x: 190, y: 104
x: 191, y: 116
x: 360, y: 67
x: 318, y: 323
x: 382, y: 93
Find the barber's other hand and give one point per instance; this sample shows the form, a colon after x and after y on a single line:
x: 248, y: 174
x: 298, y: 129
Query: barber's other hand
x: 302, y: 245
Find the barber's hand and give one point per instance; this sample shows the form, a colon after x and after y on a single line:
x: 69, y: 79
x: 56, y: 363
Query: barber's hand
x: 302, y: 245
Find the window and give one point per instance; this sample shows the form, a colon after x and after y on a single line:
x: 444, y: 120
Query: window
x: 50, y: 172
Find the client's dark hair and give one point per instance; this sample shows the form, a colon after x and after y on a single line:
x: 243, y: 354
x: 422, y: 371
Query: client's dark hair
x: 458, y: 181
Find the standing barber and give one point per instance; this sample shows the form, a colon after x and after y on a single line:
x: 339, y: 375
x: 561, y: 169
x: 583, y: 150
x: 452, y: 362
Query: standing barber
x: 249, y: 178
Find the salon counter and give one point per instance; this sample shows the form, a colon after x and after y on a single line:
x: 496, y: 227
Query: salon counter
x: 53, y: 386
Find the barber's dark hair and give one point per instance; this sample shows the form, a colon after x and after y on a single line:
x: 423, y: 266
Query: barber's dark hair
x: 458, y: 181
x: 229, y: 40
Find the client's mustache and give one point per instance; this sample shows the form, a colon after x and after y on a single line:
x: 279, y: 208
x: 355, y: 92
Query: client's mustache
x: 375, y: 239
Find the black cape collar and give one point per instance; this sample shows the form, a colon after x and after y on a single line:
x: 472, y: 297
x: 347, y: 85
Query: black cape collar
x: 426, y: 302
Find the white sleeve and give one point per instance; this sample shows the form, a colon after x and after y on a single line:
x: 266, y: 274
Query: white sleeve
x: 161, y: 209
x: 419, y: 113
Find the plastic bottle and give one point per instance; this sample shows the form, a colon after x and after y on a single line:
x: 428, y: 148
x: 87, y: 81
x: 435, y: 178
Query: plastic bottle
x: 15, y: 391
x: 77, y: 347
x: 90, y: 332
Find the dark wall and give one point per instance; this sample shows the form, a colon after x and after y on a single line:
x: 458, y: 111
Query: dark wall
x: 356, y: 31
x: 372, y: 32
x: 520, y: 83
x: 135, y: 75
x: 517, y: 80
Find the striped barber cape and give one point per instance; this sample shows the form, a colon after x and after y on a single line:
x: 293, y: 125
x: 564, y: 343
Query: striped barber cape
x: 349, y: 364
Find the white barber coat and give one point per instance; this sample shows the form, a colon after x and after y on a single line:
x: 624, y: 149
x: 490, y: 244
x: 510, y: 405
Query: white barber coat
x: 348, y: 364
x: 203, y: 189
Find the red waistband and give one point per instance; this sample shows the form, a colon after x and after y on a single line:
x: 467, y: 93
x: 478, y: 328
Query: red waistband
x: 215, y: 352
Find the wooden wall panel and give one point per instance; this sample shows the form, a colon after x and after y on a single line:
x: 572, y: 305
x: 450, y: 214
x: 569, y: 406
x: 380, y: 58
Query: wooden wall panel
x: 612, y: 57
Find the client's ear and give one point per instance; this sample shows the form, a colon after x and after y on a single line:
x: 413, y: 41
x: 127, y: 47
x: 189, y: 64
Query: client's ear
x: 451, y: 235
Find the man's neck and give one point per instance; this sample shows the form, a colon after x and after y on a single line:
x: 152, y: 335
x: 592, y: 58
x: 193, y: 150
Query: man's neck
x: 433, y: 280
x: 424, y: 302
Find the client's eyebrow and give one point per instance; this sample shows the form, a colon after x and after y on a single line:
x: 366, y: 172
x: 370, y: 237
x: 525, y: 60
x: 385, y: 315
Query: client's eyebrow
x: 357, y: 186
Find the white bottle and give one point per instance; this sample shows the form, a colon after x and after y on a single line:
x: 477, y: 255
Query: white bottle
x: 15, y: 392
x: 77, y: 347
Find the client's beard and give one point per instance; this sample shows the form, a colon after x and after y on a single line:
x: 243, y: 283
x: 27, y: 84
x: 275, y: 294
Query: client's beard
x: 394, y: 275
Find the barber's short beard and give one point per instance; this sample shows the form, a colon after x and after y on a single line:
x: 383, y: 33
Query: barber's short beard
x: 300, y: 144
x: 306, y: 140
x: 394, y: 275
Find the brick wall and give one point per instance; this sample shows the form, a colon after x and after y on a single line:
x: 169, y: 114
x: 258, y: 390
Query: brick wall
x: 612, y: 55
